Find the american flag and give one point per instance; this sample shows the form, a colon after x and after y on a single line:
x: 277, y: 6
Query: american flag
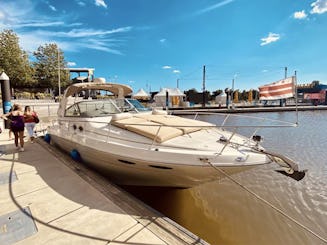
x: 281, y: 89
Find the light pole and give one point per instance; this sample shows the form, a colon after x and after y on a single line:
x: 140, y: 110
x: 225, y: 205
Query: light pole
x: 232, y: 94
x: 59, y: 86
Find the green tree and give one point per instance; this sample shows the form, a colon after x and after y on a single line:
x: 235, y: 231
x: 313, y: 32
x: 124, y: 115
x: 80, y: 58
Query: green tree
x: 243, y: 95
x: 217, y: 92
x: 14, y: 61
x: 49, y: 58
x: 255, y: 94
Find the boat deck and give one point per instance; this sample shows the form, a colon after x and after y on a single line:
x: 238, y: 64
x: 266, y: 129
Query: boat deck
x: 46, y: 198
x: 160, y: 127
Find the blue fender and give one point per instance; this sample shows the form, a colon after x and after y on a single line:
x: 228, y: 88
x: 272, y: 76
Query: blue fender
x: 75, y: 155
x: 47, y: 138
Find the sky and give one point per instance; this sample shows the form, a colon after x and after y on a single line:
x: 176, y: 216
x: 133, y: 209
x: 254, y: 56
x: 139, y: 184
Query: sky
x: 153, y: 44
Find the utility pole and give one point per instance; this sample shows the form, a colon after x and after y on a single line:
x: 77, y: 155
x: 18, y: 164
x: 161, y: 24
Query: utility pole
x: 177, y: 83
x: 282, y: 101
x: 59, y: 86
x: 204, y: 86
x: 232, y: 94
x: 296, y: 97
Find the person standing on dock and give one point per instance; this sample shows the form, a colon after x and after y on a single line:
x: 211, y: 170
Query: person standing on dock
x: 30, y: 117
x: 10, y: 131
x: 17, y: 124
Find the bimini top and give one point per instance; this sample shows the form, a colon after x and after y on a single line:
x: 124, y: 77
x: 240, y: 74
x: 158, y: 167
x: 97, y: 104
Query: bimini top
x: 119, y: 90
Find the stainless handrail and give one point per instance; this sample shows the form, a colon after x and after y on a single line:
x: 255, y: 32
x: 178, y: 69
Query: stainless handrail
x: 222, y: 126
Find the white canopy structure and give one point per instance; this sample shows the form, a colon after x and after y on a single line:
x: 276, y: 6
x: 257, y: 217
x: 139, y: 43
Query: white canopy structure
x: 141, y: 95
x: 221, y: 98
x: 175, y: 96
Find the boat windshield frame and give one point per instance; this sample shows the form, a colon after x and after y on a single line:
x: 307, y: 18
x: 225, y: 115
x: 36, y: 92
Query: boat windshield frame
x: 102, y: 108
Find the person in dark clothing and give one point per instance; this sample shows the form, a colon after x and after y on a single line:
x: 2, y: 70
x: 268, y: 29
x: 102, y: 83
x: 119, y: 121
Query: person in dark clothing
x: 17, y: 124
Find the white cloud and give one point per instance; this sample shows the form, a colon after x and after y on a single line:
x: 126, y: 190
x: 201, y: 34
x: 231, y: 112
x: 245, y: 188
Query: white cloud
x: 91, y: 32
x: 81, y: 3
x: 35, y: 29
x: 101, y: 45
x: 71, y: 63
x: 53, y: 8
x: 213, y: 7
x: 166, y: 67
x: 38, y: 24
x: 100, y: 3
x: 319, y: 7
x: 162, y: 40
x: 300, y: 15
x: 272, y: 37
x: 32, y: 40
x: 2, y: 15
x: 176, y: 71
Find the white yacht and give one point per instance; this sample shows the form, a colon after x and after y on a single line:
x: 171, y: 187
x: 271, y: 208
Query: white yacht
x: 134, y: 145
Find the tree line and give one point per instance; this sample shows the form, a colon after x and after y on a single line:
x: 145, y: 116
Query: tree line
x: 236, y: 95
x: 38, y: 75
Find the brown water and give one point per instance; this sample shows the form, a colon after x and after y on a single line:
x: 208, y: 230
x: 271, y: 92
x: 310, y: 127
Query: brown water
x: 225, y: 213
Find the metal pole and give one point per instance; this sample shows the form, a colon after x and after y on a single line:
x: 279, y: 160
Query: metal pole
x: 285, y: 72
x: 203, y: 86
x: 281, y: 101
x: 297, y: 111
x: 232, y: 94
x: 59, y: 86
x: 6, y: 96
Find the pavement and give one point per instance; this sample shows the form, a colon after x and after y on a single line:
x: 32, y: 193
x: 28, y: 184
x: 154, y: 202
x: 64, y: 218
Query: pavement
x: 47, y: 198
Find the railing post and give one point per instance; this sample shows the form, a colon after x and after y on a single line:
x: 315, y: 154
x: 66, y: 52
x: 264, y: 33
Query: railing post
x: 155, y: 137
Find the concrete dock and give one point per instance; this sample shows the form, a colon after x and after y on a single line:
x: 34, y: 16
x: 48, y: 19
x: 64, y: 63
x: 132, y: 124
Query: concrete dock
x: 47, y: 198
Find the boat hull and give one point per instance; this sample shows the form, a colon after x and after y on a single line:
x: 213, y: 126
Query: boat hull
x: 125, y: 170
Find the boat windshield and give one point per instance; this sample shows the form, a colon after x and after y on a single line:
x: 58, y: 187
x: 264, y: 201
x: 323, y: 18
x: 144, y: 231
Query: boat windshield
x: 137, y: 104
x: 101, y: 108
x: 93, y: 108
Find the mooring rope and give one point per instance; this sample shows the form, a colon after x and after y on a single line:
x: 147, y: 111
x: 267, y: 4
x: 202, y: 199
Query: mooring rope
x: 268, y: 203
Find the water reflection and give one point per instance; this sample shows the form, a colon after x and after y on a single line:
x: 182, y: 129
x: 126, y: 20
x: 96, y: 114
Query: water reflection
x: 225, y: 213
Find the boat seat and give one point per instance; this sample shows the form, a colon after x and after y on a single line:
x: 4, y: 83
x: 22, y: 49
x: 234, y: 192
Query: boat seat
x: 184, y: 124
x: 124, y: 122
x: 152, y: 130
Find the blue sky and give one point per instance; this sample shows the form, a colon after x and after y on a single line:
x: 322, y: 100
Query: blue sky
x: 151, y: 44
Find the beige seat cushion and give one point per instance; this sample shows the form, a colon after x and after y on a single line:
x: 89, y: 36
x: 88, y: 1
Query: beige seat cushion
x: 185, y: 124
x: 148, y: 129
x: 123, y: 123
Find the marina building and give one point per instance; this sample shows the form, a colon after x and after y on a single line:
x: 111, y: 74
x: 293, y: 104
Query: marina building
x: 314, y: 93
